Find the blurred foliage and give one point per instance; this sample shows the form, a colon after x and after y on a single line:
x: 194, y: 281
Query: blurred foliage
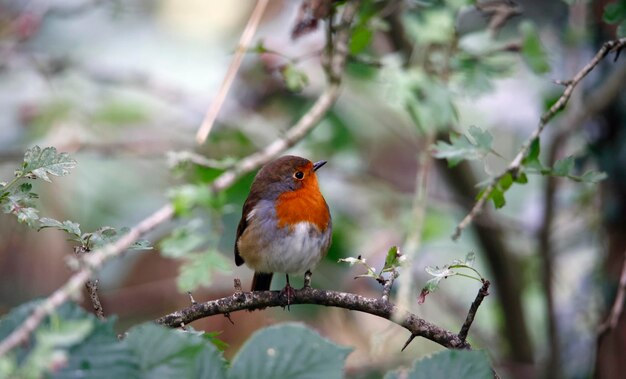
x: 371, y: 137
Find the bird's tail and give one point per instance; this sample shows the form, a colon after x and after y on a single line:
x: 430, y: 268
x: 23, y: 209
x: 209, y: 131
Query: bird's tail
x: 261, y: 281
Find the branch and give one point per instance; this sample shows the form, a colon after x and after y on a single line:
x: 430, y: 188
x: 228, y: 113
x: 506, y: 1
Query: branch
x: 244, y: 42
x: 515, y: 165
x: 263, y: 299
x: 618, y: 304
x: 97, y: 258
x: 92, y: 288
x: 484, y: 291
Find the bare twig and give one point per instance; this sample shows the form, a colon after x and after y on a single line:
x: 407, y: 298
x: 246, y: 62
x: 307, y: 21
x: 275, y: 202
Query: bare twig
x: 262, y: 299
x: 388, y: 284
x: 244, y: 42
x: 618, y: 304
x: 191, y: 299
x: 98, y: 257
x: 484, y: 291
x: 413, y: 239
x: 92, y: 288
x: 516, y: 163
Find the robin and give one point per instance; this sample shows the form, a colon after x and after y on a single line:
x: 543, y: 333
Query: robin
x: 285, y: 225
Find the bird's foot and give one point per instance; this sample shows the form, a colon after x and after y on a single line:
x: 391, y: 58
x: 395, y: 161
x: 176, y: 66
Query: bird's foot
x: 289, y: 292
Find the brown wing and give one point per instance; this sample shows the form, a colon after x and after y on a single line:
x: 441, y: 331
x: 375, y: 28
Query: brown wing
x: 248, y: 206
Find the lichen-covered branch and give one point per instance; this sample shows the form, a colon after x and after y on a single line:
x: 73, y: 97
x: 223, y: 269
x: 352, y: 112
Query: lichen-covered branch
x: 264, y: 299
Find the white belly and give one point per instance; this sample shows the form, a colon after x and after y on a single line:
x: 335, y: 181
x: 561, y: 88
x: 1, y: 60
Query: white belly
x: 297, y: 252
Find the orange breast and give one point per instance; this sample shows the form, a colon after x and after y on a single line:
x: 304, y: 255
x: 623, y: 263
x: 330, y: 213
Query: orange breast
x: 303, y: 205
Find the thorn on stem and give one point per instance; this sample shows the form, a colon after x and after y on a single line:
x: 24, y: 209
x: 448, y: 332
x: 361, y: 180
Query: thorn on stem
x: 227, y: 315
x: 408, y: 341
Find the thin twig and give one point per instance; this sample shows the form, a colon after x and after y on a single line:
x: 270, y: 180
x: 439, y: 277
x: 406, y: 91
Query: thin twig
x: 98, y: 257
x: 244, y: 42
x: 484, y: 291
x: 618, y: 304
x: 413, y: 239
x: 92, y: 288
x: 516, y: 163
x: 263, y: 299
x: 388, y: 284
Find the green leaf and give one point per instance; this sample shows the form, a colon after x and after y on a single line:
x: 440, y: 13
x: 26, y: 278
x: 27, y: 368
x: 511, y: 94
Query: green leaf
x: 563, y: 167
x: 197, y: 269
x: 466, y: 364
x: 106, y: 235
x: 497, y: 196
x: 183, y: 240
x: 120, y: 113
x: 186, y: 197
x: 532, y: 157
x: 289, y: 351
x: 67, y: 226
x: 593, y: 176
x: 294, y: 79
x: 614, y: 12
x: 521, y: 178
x: 392, y: 258
x: 532, y: 50
x: 167, y: 353
x: 482, y: 138
x: 42, y: 163
x: 505, y: 182
x: 361, y: 38
x: 463, y: 147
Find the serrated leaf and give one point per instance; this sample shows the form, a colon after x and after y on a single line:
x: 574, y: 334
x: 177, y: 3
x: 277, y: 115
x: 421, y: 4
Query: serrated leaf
x: 593, y: 176
x: 563, y: 167
x: 532, y: 49
x: 42, y: 163
x: 289, y: 351
x: 107, y: 235
x: 294, y: 79
x: 466, y: 364
x: 183, y: 240
x: 476, y: 146
x: 66, y: 226
x: 482, y: 138
x: 197, y: 269
x: 168, y: 353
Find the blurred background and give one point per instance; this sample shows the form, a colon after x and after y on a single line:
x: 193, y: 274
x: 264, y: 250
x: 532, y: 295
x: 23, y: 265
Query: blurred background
x: 124, y: 85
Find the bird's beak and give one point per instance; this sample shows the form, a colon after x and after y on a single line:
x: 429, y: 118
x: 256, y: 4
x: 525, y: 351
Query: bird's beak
x: 317, y: 165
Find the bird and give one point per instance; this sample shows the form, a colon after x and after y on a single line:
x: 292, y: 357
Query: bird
x: 285, y: 224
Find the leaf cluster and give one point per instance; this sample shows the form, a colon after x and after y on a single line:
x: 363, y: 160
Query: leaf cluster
x: 448, y: 270
x: 393, y: 260
x: 72, y: 343
x: 17, y: 198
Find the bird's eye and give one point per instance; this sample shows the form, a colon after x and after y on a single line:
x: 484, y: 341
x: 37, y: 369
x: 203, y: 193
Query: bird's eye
x: 298, y: 175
